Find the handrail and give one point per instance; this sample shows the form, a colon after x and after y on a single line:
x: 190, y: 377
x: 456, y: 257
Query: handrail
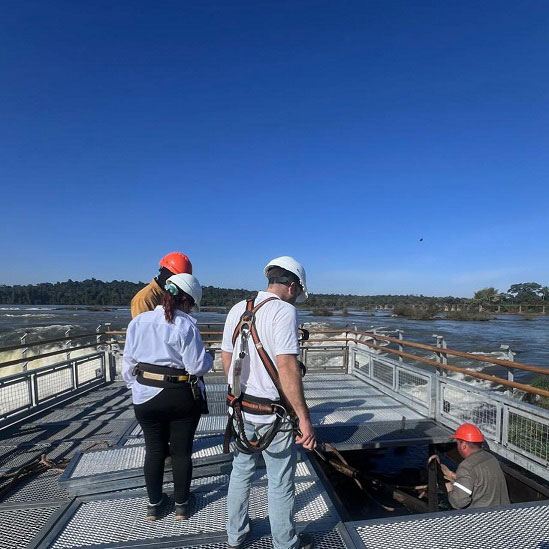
x: 351, y: 336
x: 45, y: 355
x: 48, y: 341
x: 493, y: 379
x: 462, y: 354
x: 426, y: 347
x: 439, y: 350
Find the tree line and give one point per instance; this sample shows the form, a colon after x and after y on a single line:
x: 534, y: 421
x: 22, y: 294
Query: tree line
x: 120, y: 293
x: 97, y: 292
x: 525, y: 292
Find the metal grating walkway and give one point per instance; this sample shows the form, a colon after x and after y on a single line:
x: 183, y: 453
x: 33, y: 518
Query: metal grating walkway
x: 99, y: 432
x: 522, y: 526
x: 98, y: 521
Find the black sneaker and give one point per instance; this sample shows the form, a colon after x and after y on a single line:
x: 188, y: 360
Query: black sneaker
x: 153, y: 511
x: 305, y: 541
x: 184, y: 510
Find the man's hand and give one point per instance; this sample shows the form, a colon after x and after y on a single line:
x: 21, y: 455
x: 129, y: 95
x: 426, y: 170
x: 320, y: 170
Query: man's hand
x: 307, y: 437
x: 292, y: 386
x: 448, y: 473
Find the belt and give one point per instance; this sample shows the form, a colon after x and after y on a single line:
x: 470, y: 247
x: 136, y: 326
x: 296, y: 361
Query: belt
x: 171, y: 379
x: 254, y: 405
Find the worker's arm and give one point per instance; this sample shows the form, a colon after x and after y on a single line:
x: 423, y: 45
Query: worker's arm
x: 292, y: 386
x: 226, y: 361
x: 227, y: 347
x: 460, y: 495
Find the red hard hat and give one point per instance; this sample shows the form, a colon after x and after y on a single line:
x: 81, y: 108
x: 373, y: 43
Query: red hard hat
x: 177, y: 263
x: 469, y: 432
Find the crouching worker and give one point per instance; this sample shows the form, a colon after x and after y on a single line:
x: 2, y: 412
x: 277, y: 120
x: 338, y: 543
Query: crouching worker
x: 479, y: 480
x: 163, y: 357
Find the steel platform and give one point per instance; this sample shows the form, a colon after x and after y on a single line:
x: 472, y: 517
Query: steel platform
x: 99, y: 500
x: 517, y: 526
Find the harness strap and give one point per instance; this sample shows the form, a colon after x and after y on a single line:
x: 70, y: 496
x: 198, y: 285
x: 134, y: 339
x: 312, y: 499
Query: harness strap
x: 241, y: 440
x: 253, y: 404
x: 239, y: 404
x: 247, y: 317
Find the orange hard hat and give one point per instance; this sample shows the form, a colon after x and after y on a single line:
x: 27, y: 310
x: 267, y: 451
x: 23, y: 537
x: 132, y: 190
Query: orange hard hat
x: 469, y: 432
x: 177, y: 263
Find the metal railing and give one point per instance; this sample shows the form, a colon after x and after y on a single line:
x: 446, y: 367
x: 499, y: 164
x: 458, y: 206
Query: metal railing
x: 515, y: 430
x: 382, y: 343
x: 28, y: 392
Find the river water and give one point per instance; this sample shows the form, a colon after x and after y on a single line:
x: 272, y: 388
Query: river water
x: 527, y: 337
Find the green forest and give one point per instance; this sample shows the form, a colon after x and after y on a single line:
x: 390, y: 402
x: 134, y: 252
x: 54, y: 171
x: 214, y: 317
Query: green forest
x: 120, y: 292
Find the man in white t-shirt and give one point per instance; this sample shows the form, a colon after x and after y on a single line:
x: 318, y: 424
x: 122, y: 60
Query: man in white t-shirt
x: 277, y: 328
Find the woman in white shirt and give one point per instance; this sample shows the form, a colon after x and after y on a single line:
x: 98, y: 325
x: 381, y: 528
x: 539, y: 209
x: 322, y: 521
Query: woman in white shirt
x: 163, y: 357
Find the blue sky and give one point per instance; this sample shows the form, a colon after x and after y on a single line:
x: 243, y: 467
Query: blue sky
x: 339, y: 133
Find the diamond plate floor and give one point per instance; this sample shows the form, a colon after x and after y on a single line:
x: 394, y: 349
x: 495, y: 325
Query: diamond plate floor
x: 524, y: 526
x: 110, y: 519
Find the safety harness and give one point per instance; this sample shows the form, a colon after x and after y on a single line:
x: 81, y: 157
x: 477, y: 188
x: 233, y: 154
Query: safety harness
x: 240, y: 402
x: 165, y: 377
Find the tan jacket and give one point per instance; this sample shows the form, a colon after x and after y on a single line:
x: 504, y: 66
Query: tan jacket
x: 147, y: 298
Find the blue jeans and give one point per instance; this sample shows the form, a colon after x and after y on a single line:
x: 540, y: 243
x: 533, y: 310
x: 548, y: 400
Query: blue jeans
x: 280, y: 459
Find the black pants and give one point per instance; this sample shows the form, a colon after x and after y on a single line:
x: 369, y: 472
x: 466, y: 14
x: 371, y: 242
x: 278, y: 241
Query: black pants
x: 169, y: 421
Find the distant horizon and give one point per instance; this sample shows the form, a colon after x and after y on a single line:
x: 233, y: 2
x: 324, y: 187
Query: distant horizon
x: 260, y: 288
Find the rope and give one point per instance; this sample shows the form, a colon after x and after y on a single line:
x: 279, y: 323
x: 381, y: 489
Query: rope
x: 38, y: 465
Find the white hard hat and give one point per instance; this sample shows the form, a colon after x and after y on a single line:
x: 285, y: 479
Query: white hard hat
x: 293, y: 266
x: 188, y: 284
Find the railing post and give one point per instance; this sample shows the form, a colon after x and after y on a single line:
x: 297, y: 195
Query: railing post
x: 400, y: 346
x: 444, y: 355
x: 346, y: 353
x: 23, y: 340
x: 110, y: 355
x: 441, y: 357
x: 68, y: 343
x: 509, y: 355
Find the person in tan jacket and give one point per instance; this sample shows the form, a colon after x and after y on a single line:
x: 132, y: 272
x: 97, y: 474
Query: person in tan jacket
x: 152, y: 294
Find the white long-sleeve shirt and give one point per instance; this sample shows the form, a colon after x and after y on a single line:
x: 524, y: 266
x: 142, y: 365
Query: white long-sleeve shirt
x: 150, y: 338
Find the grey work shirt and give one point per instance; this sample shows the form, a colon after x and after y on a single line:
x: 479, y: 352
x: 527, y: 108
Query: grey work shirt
x: 480, y: 482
